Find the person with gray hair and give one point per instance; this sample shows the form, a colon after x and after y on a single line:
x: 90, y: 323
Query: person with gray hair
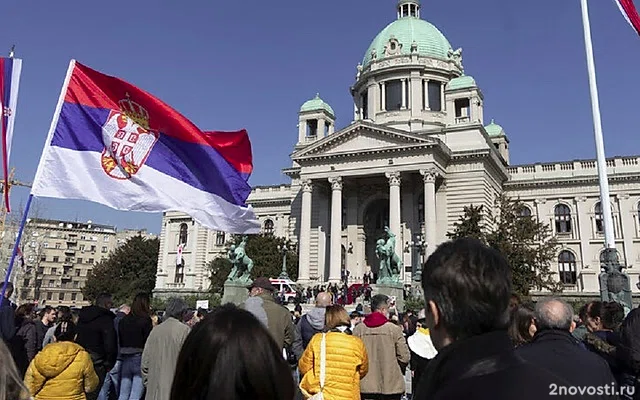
x: 161, y: 351
x: 554, y: 348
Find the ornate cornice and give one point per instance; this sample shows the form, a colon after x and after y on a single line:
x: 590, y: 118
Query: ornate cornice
x: 569, y: 181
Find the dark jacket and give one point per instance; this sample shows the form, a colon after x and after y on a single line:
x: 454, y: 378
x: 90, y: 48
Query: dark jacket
x: 7, y: 320
x: 133, y: 332
x: 628, y: 351
x: 559, y: 352
x: 310, y: 324
x: 484, y: 367
x: 24, y: 346
x: 41, y: 331
x: 605, y: 344
x: 97, y: 335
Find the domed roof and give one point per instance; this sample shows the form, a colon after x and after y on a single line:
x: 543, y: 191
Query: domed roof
x: 430, y: 41
x: 494, y: 130
x: 317, y: 104
x: 461, y: 82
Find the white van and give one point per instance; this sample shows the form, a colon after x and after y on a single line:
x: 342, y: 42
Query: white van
x: 286, y: 286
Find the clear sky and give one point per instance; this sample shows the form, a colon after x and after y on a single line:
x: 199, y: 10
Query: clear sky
x: 251, y: 64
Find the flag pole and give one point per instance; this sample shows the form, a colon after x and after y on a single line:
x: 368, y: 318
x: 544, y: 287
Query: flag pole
x: 16, y: 245
x: 605, y: 199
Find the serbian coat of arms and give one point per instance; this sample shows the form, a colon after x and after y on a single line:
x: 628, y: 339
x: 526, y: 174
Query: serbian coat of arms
x: 127, y: 140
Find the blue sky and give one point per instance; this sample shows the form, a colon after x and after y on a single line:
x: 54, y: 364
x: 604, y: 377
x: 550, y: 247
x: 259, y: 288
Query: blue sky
x: 251, y: 64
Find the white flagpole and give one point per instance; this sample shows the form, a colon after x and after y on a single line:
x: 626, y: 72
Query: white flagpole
x: 605, y: 200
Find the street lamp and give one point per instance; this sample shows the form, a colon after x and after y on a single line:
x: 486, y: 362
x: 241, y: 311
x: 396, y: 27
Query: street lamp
x: 420, y: 245
x: 283, y: 274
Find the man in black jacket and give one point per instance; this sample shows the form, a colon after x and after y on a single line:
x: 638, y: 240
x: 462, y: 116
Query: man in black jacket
x: 96, y: 333
x: 467, y: 288
x: 7, y: 315
x: 555, y: 349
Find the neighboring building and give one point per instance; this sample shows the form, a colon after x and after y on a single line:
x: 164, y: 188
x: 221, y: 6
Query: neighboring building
x: 123, y: 236
x: 58, y: 256
x: 417, y: 151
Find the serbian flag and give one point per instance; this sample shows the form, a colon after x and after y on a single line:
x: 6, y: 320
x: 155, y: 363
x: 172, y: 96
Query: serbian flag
x: 10, y: 69
x: 115, y: 144
x: 630, y: 13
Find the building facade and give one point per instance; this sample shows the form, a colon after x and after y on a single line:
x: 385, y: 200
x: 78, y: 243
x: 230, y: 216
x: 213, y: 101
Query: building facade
x: 417, y: 151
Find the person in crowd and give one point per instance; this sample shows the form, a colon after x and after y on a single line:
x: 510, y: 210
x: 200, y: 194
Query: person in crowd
x: 387, y: 350
x: 346, y: 360
x: 7, y: 315
x: 231, y: 355
x: 47, y: 317
x: 421, y: 348
x: 514, y: 302
x: 581, y: 326
x: 133, y: 331
x: 467, y: 290
x: 313, y: 321
x: 24, y: 344
x: 63, y: 314
x: 604, y: 320
x: 112, y: 380
x: 356, y: 318
x: 628, y: 353
x: 11, y: 385
x: 276, y: 318
x: 555, y: 349
x: 97, y: 335
x: 62, y: 370
x: 161, y: 351
x: 522, y: 325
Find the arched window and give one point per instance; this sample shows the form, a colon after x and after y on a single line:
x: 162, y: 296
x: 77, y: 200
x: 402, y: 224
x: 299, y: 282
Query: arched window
x: 567, y: 268
x: 268, y: 227
x: 184, y: 234
x: 563, y: 219
x: 597, y: 211
x: 524, y: 211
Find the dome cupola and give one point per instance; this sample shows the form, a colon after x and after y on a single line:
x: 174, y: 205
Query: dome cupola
x: 316, y: 120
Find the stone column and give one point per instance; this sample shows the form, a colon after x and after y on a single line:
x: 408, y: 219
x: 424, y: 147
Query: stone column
x: 321, y: 128
x: 430, y: 222
x: 383, y: 96
x: 394, y: 207
x: 335, y: 249
x: 442, y: 98
x: 404, y: 94
x: 426, y: 94
x: 304, y: 240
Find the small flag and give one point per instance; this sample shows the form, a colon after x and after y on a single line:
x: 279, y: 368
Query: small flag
x: 10, y: 69
x: 115, y: 144
x: 628, y: 10
x: 179, y: 259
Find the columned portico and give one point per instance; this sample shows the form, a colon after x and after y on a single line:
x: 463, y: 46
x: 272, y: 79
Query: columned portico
x: 394, y: 207
x: 335, y: 249
x: 304, y: 242
x: 429, y: 209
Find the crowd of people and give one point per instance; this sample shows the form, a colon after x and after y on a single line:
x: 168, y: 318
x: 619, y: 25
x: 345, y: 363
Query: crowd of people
x: 473, y: 340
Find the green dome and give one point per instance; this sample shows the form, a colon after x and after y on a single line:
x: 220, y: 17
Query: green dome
x: 461, y: 82
x: 317, y: 104
x: 431, y: 42
x: 494, y: 130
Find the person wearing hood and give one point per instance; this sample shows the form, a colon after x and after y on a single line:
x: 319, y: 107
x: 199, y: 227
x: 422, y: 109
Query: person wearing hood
x: 421, y: 348
x: 387, y: 350
x: 97, y: 335
x: 313, y: 322
x: 62, y: 370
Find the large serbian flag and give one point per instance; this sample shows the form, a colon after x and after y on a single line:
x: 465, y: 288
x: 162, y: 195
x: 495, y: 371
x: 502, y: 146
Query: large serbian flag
x: 10, y: 69
x: 630, y: 13
x: 115, y: 144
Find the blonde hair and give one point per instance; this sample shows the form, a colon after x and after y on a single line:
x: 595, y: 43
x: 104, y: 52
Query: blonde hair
x: 11, y: 386
x: 336, y: 316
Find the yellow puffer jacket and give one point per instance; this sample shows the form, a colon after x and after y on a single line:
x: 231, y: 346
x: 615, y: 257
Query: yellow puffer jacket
x: 346, y: 364
x: 62, y: 370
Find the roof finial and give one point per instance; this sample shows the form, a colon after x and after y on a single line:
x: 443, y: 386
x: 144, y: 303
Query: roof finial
x: 493, y: 121
x: 12, y: 51
x: 317, y: 95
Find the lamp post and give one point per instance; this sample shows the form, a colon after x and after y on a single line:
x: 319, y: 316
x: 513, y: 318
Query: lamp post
x: 420, y: 245
x: 283, y: 274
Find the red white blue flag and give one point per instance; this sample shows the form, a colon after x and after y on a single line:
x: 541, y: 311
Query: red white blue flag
x: 10, y: 69
x: 630, y: 13
x: 115, y: 144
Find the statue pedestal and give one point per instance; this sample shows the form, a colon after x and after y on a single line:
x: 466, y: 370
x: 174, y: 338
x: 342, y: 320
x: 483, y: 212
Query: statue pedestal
x: 235, y: 292
x: 395, y: 290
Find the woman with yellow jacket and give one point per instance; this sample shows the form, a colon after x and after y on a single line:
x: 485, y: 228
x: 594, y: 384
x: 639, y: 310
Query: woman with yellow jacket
x: 346, y: 360
x: 62, y: 370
